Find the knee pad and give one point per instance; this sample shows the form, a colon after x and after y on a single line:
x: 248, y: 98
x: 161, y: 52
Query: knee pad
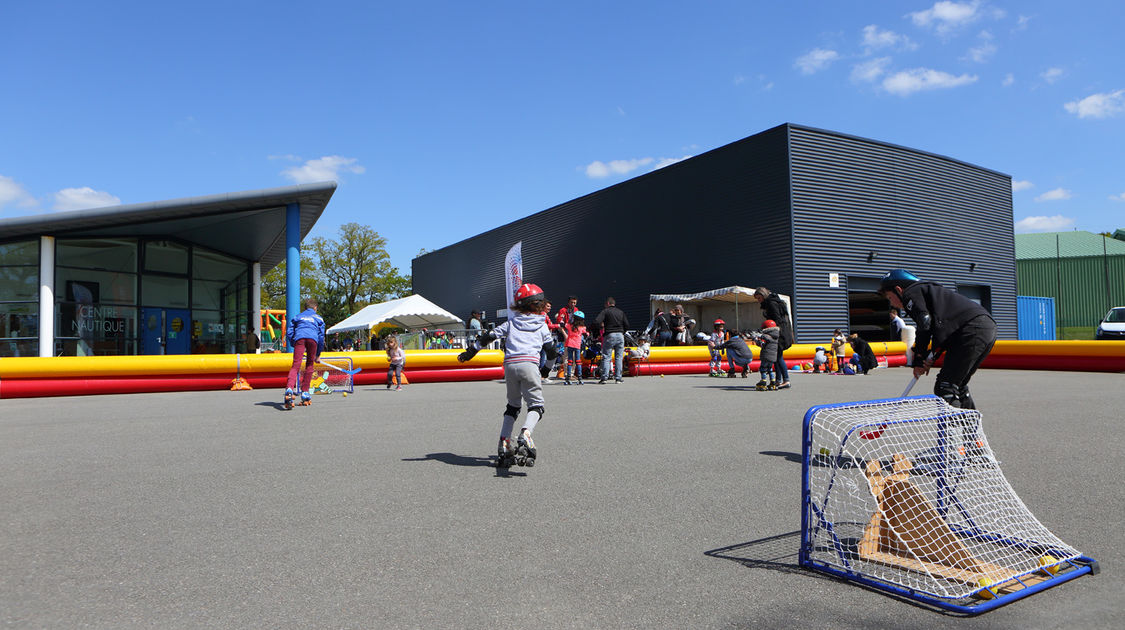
x: 538, y: 408
x: 511, y: 411
x: 948, y: 392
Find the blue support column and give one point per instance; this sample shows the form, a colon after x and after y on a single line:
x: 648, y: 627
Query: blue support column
x: 292, y: 264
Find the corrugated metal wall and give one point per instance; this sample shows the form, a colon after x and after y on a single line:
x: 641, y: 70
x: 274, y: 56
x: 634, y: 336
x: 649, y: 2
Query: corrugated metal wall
x: 1036, y: 317
x: 1090, y: 286
x: 715, y: 220
x: 942, y: 219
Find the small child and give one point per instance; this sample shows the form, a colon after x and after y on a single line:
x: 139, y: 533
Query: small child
x: 820, y: 360
x: 839, y: 340
x: 525, y: 336
x: 575, y: 337
x: 396, y: 359
x: 718, y: 338
x: 768, y: 339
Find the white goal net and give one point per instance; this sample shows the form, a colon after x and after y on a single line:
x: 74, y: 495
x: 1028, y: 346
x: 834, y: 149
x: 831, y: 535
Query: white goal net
x: 332, y: 375
x: 908, y: 492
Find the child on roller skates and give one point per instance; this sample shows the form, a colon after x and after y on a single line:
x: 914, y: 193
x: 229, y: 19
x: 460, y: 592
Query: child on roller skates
x: 525, y: 336
x: 718, y: 337
x: 575, y: 338
x: 306, y: 337
x: 767, y: 338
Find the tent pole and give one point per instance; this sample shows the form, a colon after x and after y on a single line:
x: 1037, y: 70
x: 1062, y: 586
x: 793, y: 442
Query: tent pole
x: 737, y: 323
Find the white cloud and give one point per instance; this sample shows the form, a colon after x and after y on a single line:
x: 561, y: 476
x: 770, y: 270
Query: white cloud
x: 946, y: 16
x: 1050, y: 75
x: 1120, y: 197
x: 1044, y: 224
x: 1098, y: 105
x: 1022, y: 21
x: 1022, y: 184
x: 323, y: 169
x: 598, y: 169
x: 870, y: 70
x: 816, y: 60
x: 908, y: 82
x: 662, y: 162
x: 984, y: 51
x: 13, y: 193
x: 83, y: 198
x: 874, y: 39
x: 1009, y: 80
x: 1058, y: 194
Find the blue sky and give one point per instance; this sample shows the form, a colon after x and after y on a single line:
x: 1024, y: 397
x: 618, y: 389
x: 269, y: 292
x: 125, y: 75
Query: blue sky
x: 441, y: 119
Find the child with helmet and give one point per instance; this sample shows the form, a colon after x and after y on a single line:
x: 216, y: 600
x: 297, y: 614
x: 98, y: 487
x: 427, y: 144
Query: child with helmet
x: 767, y: 338
x: 718, y: 337
x: 525, y: 336
x: 575, y: 329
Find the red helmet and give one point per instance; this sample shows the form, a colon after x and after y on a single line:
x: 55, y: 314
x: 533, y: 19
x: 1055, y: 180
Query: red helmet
x: 720, y: 322
x: 528, y: 293
x: 769, y: 323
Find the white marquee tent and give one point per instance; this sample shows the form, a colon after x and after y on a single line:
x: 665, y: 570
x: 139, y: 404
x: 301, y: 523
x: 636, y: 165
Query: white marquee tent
x: 735, y: 305
x: 410, y: 312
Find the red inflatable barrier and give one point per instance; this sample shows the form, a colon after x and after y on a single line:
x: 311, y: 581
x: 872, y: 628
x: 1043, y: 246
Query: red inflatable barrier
x: 77, y: 386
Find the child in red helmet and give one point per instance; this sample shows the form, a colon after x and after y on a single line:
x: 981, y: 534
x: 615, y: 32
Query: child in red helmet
x: 767, y: 338
x: 718, y: 337
x: 525, y: 336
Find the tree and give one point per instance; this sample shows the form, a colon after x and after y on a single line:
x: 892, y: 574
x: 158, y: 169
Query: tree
x: 358, y: 266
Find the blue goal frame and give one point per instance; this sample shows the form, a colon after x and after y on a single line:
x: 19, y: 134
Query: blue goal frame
x: 1068, y: 569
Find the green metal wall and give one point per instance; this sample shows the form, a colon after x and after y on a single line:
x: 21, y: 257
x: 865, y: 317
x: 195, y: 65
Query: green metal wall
x: 1084, y: 288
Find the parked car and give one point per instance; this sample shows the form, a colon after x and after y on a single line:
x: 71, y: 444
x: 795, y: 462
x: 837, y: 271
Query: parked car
x: 1112, y: 325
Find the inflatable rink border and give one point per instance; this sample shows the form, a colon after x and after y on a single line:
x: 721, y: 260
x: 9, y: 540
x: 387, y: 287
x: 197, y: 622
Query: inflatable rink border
x: 905, y: 495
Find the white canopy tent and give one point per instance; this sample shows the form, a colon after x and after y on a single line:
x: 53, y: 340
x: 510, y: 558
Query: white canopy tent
x: 735, y: 305
x: 413, y: 311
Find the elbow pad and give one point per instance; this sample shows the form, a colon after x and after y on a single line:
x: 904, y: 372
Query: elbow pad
x: 924, y: 322
x: 485, y: 338
x: 550, y: 351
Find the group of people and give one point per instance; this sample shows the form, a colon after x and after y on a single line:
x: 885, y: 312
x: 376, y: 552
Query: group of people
x: 949, y: 324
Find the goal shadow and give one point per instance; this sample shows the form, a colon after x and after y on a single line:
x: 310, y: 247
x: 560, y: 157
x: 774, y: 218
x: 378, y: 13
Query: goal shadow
x: 780, y: 553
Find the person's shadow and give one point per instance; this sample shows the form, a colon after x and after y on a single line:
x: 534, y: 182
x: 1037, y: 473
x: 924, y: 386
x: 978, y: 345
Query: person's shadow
x: 280, y: 406
x: 454, y: 459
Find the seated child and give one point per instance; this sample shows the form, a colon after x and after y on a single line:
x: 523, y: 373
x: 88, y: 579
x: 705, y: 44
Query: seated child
x: 820, y: 360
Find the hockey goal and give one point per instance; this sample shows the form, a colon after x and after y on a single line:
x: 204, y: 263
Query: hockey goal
x: 333, y: 375
x: 907, y: 496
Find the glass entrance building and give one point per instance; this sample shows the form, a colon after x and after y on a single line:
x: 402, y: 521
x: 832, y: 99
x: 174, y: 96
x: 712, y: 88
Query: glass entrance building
x: 174, y: 277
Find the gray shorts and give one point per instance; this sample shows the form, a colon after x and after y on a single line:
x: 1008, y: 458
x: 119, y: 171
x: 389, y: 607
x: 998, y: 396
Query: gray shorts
x: 524, y: 384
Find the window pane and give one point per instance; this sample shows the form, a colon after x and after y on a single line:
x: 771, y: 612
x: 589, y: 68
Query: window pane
x: 19, y: 283
x: 97, y: 329
x: 89, y: 286
x: 107, y: 254
x: 214, y: 266
x: 19, y: 320
x: 164, y: 291
x: 166, y: 256
x: 206, y: 294
x: 22, y: 253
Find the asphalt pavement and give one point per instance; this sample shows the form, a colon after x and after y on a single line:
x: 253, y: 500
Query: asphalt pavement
x: 657, y: 503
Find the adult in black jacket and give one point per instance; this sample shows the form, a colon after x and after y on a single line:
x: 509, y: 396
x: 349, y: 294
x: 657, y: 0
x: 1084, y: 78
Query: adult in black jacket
x: 867, y: 360
x: 948, y: 323
x: 613, y: 323
x: 773, y: 307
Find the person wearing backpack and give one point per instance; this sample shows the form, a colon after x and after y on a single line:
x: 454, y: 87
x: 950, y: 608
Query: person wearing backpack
x: 774, y: 308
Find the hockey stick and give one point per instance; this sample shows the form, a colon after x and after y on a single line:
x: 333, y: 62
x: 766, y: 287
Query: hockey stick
x: 874, y: 433
x: 909, y: 386
x: 340, y: 369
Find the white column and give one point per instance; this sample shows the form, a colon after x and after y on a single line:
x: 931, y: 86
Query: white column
x: 46, y: 296
x: 256, y: 299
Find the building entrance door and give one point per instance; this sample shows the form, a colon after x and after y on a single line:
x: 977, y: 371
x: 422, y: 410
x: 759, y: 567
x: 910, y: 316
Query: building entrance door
x: 165, y: 331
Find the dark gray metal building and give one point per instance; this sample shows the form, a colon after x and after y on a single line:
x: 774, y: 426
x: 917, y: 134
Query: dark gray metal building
x: 814, y: 214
